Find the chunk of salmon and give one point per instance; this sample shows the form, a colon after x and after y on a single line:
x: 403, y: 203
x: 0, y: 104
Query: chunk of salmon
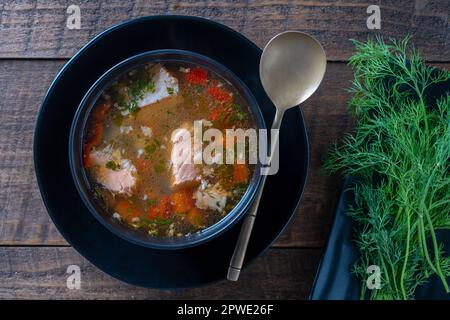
x: 181, y: 157
x: 121, y: 179
x: 165, y: 85
x: 210, y: 197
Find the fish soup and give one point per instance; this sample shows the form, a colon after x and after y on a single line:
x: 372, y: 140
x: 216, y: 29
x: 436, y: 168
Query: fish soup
x: 134, y: 149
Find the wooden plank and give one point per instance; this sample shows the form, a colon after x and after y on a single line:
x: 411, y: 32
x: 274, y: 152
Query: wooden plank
x: 38, y: 28
x: 23, y: 219
x: 40, y: 273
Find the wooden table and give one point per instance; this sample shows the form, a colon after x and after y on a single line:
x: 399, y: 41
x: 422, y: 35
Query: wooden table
x: 35, y: 44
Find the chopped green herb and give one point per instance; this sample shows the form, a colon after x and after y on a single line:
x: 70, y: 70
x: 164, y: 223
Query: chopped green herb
x: 162, y: 222
x: 157, y: 221
x: 133, y: 108
x: 235, y: 107
x: 151, y: 87
x: 159, y: 168
x: 112, y: 165
x: 241, y: 115
x: 98, y: 191
x: 139, y: 83
x: 198, y: 89
x: 170, y: 90
x: 151, y: 148
x: 240, y: 189
x: 151, y: 202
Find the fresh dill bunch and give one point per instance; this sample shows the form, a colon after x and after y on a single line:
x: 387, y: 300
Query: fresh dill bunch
x: 399, y: 154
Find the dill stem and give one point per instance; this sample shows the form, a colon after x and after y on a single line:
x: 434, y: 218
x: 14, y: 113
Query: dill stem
x: 424, y: 109
x: 399, y: 213
x: 405, y: 262
x: 362, y: 294
x: 433, y: 236
x: 384, y: 267
x: 394, y: 275
x: 436, y: 253
x: 419, y: 236
x: 424, y: 245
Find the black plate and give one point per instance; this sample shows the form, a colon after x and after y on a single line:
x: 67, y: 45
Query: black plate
x: 126, y: 261
x: 334, y: 279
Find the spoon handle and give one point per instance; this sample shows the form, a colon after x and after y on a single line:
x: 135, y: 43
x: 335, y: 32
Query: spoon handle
x: 238, y: 257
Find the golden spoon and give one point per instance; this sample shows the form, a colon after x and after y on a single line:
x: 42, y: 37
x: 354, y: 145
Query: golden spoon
x: 291, y: 69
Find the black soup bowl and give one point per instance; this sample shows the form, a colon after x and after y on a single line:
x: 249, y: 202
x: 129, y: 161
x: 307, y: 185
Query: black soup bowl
x: 80, y: 176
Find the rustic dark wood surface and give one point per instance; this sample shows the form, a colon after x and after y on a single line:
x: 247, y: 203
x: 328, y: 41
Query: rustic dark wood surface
x: 37, y: 28
x: 34, y: 273
x: 35, y: 44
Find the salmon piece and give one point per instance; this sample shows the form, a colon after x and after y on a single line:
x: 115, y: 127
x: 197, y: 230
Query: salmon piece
x: 101, y: 157
x: 165, y: 85
x: 210, y: 197
x: 121, y: 179
x: 181, y: 157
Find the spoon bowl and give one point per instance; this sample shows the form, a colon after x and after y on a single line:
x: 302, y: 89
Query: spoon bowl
x: 291, y: 68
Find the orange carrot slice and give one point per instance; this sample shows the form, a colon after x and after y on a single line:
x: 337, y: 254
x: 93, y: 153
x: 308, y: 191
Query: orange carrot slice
x: 182, y: 201
x: 220, y: 94
x: 195, y: 217
x: 197, y: 76
x: 240, y: 173
x: 127, y: 210
x: 162, y: 210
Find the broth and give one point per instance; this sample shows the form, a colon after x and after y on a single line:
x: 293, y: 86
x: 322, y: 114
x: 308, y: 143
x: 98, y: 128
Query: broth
x: 135, y: 143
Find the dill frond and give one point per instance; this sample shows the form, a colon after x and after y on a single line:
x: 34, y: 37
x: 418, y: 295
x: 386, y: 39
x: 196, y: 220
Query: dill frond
x: 399, y: 154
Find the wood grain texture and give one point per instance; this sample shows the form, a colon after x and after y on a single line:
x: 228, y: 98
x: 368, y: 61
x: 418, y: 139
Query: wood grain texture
x: 40, y: 273
x: 30, y: 28
x: 23, y: 219
x: 33, y: 255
